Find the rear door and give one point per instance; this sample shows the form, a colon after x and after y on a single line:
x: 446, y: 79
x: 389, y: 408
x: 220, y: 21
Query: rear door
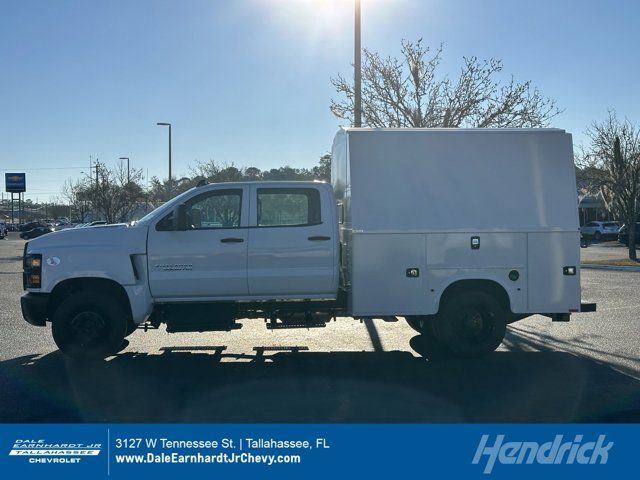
x: 553, y: 272
x: 292, y: 243
x: 210, y: 258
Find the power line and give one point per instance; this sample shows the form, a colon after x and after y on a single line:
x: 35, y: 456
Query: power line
x: 40, y: 168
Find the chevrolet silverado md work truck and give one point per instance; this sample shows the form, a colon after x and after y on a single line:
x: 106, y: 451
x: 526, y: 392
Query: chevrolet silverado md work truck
x: 459, y: 231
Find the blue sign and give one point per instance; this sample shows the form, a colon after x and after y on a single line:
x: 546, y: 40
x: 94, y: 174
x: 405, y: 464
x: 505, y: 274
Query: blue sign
x: 15, y: 182
x: 421, y: 451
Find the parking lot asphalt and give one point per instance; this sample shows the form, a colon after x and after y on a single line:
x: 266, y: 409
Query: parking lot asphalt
x: 608, y: 250
x: 587, y: 370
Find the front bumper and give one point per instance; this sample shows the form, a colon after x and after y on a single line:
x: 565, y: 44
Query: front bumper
x: 34, y: 308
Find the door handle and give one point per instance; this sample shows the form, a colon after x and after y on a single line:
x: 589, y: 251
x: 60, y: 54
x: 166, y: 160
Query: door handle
x: 232, y: 240
x: 319, y: 238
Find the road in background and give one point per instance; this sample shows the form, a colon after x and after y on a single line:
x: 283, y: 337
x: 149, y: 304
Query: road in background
x: 375, y: 371
x: 611, y: 250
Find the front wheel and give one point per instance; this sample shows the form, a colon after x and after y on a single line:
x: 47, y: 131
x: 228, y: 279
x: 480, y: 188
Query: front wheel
x: 471, y: 324
x: 89, y: 326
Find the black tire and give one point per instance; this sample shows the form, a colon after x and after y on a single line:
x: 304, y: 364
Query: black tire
x: 131, y: 327
x: 421, y: 323
x: 597, y: 236
x: 89, y: 326
x: 471, y: 324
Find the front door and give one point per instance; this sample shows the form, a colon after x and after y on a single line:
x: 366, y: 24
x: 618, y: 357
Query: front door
x: 292, y: 244
x: 209, y: 259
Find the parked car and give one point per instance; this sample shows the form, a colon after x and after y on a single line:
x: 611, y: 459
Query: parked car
x: 63, y: 226
x: 600, y: 230
x: 3, y: 231
x: 584, y: 241
x: 97, y: 222
x: 623, y: 235
x: 25, y: 227
x: 36, y: 232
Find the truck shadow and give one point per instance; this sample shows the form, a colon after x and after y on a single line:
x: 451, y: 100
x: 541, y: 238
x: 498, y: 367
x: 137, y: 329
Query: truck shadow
x: 290, y: 384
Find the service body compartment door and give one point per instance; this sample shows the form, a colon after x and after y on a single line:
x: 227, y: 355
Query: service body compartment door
x: 292, y: 243
x: 551, y: 290
x: 388, y: 275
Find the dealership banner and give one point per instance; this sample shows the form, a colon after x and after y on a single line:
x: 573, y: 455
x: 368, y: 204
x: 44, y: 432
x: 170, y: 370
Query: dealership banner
x: 318, y: 451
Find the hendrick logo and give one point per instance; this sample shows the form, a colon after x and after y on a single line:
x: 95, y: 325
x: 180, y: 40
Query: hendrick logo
x: 553, y: 452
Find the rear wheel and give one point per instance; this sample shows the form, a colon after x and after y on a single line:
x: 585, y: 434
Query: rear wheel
x: 421, y: 323
x: 471, y: 324
x: 597, y: 236
x: 131, y: 327
x: 89, y: 326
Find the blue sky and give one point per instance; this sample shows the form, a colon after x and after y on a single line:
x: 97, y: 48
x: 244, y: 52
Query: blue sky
x: 247, y: 81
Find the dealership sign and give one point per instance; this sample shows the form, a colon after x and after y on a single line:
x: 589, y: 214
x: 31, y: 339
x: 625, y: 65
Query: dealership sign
x: 15, y: 182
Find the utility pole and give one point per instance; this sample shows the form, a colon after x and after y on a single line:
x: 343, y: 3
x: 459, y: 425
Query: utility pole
x: 126, y: 190
x: 357, y: 80
x: 165, y: 124
x: 128, y: 171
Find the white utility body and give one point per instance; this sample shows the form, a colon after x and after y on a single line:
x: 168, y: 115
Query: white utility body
x: 461, y: 231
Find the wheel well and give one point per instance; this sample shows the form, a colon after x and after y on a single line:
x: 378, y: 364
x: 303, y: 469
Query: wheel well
x: 490, y: 287
x: 68, y: 287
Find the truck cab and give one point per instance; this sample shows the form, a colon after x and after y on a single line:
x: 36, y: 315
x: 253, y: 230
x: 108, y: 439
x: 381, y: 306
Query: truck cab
x: 194, y: 263
x: 245, y: 242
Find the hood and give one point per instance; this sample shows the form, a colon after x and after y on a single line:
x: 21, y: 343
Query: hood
x: 133, y: 239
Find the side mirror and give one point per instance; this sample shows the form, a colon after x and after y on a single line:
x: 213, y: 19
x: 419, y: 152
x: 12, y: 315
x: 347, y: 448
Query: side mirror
x: 180, y: 217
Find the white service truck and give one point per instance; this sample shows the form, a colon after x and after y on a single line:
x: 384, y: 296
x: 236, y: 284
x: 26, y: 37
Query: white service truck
x: 459, y: 231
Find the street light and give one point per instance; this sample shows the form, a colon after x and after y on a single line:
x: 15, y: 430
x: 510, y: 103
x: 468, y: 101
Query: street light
x: 128, y: 171
x: 357, y: 74
x: 163, y: 124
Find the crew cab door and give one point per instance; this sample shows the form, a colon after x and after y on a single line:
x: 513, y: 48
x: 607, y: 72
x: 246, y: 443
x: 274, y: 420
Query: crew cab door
x: 292, y: 242
x: 209, y: 259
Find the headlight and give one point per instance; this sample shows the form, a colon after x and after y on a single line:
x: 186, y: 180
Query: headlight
x: 34, y: 261
x: 32, y: 271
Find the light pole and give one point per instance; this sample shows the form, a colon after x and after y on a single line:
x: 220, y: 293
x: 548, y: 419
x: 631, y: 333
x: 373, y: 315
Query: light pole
x: 170, y: 182
x: 357, y: 80
x: 128, y: 171
x: 126, y: 191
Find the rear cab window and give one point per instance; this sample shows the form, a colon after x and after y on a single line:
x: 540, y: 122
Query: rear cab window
x: 288, y: 207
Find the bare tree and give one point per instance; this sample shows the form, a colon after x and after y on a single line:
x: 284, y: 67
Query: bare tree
x: 615, y: 153
x: 76, y: 195
x: 215, y: 172
x: 409, y: 92
x: 116, y: 194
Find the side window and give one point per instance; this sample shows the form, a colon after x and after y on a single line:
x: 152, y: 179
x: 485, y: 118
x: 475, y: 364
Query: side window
x: 288, y: 207
x: 217, y: 209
